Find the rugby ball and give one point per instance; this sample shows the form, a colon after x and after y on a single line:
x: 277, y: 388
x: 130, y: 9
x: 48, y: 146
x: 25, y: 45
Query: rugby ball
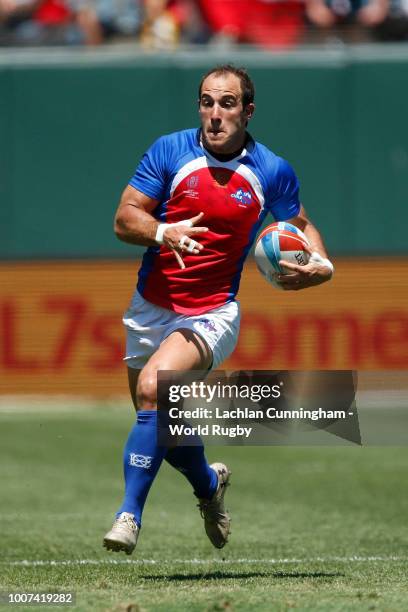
x: 276, y: 242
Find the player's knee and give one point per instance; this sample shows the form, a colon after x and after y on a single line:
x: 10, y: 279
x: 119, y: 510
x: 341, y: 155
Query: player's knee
x: 146, y: 390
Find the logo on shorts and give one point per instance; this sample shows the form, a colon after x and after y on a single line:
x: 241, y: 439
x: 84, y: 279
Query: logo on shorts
x: 208, y: 325
x: 141, y: 461
x: 242, y: 197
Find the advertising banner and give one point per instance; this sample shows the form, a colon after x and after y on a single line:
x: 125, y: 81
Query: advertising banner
x: 61, y: 330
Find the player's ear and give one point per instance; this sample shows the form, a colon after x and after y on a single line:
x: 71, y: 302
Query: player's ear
x: 249, y: 110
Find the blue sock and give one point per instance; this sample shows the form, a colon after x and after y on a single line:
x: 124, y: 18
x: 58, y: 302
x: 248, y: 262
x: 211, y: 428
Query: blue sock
x: 142, y: 459
x: 191, y: 461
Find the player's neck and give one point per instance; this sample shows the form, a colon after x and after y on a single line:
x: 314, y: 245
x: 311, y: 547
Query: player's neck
x: 224, y: 157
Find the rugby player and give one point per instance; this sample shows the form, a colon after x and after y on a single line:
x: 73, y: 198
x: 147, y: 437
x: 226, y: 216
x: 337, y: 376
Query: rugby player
x: 197, y: 200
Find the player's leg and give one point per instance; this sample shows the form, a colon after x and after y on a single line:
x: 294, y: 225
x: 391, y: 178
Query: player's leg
x: 182, y: 350
x: 198, y: 342
x: 186, y: 350
x: 220, y: 330
x: 209, y: 483
x: 189, y: 460
x: 133, y: 377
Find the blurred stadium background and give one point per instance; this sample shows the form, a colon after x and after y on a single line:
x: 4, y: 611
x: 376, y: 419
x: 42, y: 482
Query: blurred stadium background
x: 73, y: 125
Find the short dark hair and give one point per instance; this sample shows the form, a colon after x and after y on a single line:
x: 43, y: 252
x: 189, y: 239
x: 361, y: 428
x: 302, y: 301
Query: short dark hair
x: 247, y: 86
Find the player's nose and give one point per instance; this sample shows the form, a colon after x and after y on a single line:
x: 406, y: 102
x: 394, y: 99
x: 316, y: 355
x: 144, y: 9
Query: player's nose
x: 216, y: 113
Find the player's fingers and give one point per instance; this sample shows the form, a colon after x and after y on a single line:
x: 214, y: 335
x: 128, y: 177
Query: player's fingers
x: 288, y: 282
x: 307, y: 248
x: 291, y: 285
x: 290, y: 266
x: 198, y: 230
x: 190, y: 245
x: 179, y: 259
x: 196, y: 219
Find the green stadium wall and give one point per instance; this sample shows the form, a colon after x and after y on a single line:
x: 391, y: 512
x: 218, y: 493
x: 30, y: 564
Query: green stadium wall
x: 74, y: 125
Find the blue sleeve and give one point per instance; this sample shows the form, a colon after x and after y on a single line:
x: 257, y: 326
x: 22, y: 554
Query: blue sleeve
x: 151, y: 174
x: 283, y: 202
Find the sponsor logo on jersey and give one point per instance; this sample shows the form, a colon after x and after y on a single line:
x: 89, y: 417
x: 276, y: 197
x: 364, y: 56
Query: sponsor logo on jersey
x: 191, y: 193
x: 242, y: 196
x: 141, y: 461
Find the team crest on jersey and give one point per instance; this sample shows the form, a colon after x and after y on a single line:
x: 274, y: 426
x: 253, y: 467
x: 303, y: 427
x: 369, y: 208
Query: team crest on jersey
x: 243, y: 197
x: 192, y: 181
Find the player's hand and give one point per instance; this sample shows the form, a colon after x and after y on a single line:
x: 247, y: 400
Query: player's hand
x: 301, y: 277
x: 7, y: 7
x: 181, y: 239
x: 372, y: 14
x: 320, y: 14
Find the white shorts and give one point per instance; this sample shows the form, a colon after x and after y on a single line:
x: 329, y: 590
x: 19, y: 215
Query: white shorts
x: 148, y: 325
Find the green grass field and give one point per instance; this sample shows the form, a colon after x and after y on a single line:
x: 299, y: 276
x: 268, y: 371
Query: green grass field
x: 313, y: 528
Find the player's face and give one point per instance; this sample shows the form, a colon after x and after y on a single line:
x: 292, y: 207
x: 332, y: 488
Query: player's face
x: 223, y: 118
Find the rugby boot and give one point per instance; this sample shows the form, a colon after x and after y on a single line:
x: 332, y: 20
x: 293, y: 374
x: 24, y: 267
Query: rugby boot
x: 123, y: 535
x: 216, y: 519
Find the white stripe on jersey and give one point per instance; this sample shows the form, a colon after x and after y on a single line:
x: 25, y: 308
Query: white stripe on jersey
x: 194, y: 164
x: 211, y: 162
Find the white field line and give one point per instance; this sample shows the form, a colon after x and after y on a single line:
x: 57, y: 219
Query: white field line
x: 80, y: 562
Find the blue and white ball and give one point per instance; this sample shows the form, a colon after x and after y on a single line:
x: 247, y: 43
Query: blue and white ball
x: 276, y: 242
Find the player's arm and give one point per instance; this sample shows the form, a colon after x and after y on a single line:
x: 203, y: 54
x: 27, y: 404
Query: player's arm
x: 319, y: 269
x: 135, y: 224
x: 312, y: 234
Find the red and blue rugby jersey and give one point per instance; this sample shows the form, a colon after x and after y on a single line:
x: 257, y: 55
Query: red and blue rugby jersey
x: 235, y: 196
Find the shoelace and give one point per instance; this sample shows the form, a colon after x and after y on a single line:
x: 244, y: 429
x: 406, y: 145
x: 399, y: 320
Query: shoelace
x: 209, y: 508
x: 127, y: 521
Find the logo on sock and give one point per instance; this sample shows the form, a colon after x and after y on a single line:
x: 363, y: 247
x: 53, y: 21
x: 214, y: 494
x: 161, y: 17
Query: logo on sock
x: 141, y: 461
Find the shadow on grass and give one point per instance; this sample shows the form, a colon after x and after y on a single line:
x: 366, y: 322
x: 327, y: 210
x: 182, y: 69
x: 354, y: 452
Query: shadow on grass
x: 239, y: 575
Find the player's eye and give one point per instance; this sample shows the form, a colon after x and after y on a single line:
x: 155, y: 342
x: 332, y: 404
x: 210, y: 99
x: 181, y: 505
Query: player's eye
x: 228, y: 103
